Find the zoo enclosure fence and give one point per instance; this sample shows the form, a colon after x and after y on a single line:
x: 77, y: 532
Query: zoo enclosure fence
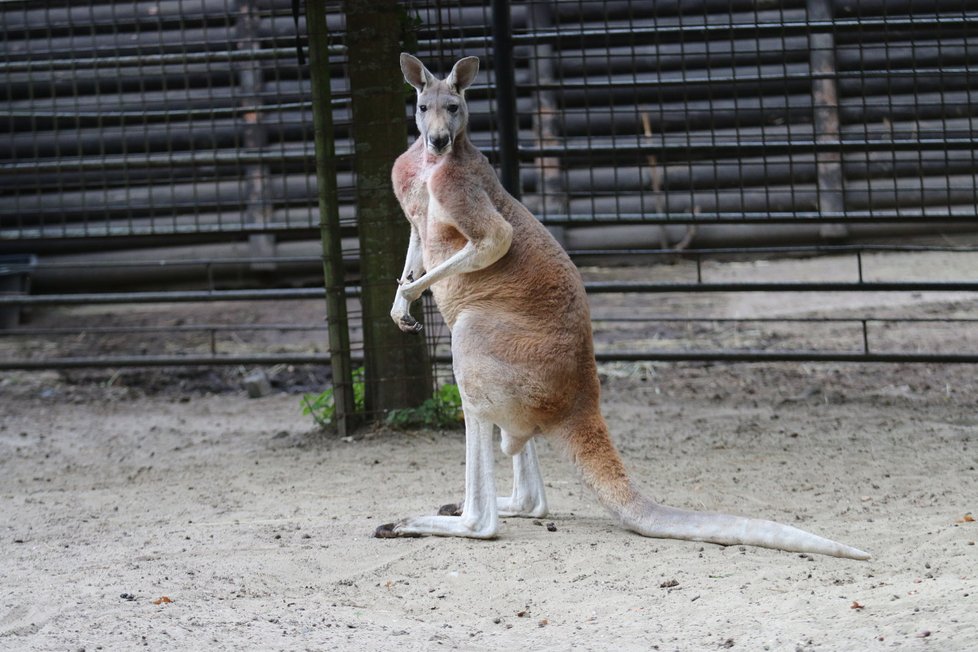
x: 160, y: 153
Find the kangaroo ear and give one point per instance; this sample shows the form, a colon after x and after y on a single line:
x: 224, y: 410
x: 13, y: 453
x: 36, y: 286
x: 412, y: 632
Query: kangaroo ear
x: 414, y: 72
x: 463, y: 74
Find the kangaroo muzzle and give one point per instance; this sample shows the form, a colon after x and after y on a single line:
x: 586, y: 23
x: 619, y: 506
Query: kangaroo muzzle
x: 440, y: 143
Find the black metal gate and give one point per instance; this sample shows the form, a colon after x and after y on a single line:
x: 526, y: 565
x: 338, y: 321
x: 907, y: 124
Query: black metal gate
x: 161, y: 153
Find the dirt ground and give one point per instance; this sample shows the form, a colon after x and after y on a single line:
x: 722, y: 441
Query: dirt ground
x: 197, y: 518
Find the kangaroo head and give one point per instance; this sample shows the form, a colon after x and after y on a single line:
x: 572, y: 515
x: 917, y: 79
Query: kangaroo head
x: 442, y: 113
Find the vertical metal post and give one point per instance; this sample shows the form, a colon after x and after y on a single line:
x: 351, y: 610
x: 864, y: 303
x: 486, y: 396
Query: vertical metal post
x: 258, y: 210
x: 550, y: 178
x: 329, y: 217
x: 502, y: 57
x: 825, y: 103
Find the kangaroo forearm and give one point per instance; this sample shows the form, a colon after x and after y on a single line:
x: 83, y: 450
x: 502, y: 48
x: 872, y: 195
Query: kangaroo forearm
x: 413, y: 261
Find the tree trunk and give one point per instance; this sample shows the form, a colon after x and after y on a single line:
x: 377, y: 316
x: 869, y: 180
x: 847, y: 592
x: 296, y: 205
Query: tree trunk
x: 397, y: 372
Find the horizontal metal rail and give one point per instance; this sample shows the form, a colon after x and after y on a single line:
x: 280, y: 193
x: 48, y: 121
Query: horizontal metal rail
x: 689, y: 31
x: 630, y: 287
x: 783, y: 320
x: 772, y: 356
x: 845, y: 249
x: 28, y: 364
x: 183, y: 296
x: 957, y: 214
x: 767, y: 148
x: 659, y: 81
x: 145, y: 330
x: 619, y: 151
x: 88, y: 229
x: 745, y: 29
x: 600, y: 356
x: 167, y: 160
x: 146, y: 60
x: 141, y: 117
x: 784, y: 356
x: 592, y: 287
x: 306, y: 328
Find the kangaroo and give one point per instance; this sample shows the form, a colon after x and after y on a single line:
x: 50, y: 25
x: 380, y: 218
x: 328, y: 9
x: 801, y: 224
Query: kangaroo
x: 521, y: 340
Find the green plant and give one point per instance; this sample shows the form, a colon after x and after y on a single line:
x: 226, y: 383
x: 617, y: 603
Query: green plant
x: 322, y: 407
x: 443, y: 410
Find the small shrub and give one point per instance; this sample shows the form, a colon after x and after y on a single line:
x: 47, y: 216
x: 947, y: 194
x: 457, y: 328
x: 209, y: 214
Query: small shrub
x: 443, y: 410
x: 322, y: 407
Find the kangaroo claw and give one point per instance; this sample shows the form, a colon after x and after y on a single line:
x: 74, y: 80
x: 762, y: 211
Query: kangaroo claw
x: 409, y: 324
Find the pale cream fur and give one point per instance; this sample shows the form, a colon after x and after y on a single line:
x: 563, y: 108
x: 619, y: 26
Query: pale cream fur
x: 521, y: 338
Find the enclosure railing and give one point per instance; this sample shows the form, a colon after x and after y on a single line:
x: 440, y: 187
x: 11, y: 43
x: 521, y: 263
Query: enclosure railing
x: 173, y: 143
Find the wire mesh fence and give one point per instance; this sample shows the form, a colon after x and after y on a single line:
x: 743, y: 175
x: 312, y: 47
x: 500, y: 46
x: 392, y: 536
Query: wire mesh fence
x: 158, y: 148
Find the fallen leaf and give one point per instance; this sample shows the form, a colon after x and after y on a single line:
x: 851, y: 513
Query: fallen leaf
x: 162, y: 600
x: 855, y: 605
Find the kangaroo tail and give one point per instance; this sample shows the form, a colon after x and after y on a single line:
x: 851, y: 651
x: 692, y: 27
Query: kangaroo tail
x: 591, y: 449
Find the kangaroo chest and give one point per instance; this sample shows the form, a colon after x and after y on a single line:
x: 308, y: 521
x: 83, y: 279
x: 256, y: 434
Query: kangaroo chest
x: 440, y: 238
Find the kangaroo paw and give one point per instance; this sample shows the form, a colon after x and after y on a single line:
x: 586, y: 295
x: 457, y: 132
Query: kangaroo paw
x: 409, y: 324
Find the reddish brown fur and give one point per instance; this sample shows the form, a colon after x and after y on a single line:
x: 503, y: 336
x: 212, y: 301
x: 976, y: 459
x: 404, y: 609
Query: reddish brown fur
x: 532, y: 302
x: 521, y: 337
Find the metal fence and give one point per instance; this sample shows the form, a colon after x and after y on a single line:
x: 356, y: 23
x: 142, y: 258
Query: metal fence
x: 160, y: 152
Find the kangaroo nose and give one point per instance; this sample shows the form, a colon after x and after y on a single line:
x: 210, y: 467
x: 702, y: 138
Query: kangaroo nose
x: 438, y: 143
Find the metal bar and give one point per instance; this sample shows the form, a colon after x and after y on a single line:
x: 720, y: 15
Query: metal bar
x: 183, y: 262
x: 145, y: 60
x: 745, y: 29
x: 605, y: 287
x: 784, y: 356
x: 968, y: 214
x: 509, y: 159
x: 825, y: 249
x: 593, y: 287
x: 141, y: 330
x: 162, y: 297
x: 231, y: 328
x: 591, y: 152
x: 786, y: 320
x: 166, y: 160
x: 825, y: 100
x: 932, y: 219
x: 772, y: 356
x: 671, y: 79
x: 329, y: 215
x: 742, y: 148
x: 600, y: 356
x: 141, y: 117
x: 690, y: 31
x: 259, y: 209
x: 166, y: 361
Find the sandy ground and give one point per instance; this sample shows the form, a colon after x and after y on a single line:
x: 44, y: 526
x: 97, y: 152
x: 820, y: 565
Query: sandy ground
x: 255, y: 529
x: 166, y: 510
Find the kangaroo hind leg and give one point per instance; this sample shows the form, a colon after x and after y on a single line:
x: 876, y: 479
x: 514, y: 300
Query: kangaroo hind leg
x: 479, y: 517
x: 529, y: 497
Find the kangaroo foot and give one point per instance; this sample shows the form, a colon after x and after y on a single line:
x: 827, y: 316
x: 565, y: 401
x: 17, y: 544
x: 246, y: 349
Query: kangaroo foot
x: 386, y: 531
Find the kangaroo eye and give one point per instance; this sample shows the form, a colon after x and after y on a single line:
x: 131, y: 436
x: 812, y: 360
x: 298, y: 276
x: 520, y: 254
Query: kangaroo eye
x: 422, y: 107
x: 452, y: 108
